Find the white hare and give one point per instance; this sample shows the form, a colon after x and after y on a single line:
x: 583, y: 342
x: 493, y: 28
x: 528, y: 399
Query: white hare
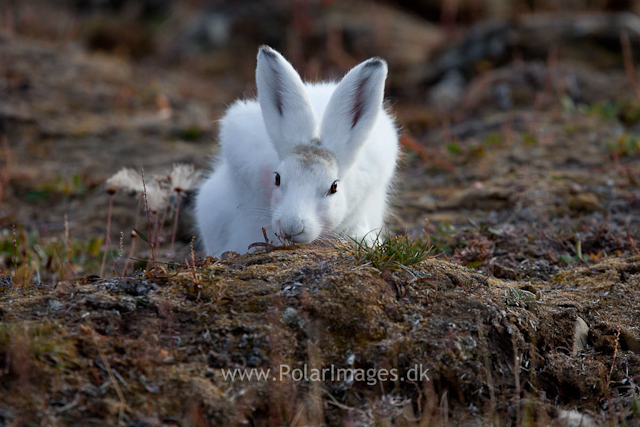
x: 302, y: 161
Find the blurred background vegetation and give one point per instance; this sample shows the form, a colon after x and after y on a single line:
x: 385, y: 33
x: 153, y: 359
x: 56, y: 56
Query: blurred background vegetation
x: 90, y: 86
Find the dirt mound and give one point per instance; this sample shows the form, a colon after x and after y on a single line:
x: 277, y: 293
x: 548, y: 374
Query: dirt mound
x: 156, y: 347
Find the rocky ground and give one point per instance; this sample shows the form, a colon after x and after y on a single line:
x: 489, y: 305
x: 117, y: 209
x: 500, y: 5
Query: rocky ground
x: 523, y: 176
x: 150, y: 349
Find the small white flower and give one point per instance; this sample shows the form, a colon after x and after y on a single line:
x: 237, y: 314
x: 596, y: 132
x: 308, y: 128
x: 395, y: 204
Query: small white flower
x: 157, y: 195
x: 184, y: 177
x: 126, y: 179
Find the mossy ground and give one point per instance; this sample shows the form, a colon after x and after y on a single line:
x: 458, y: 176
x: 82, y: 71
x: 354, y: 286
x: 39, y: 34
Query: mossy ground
x: 165, y: 343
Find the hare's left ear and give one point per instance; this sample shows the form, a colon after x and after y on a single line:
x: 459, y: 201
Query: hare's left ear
x: 284, y: 102
x: 352, y: 111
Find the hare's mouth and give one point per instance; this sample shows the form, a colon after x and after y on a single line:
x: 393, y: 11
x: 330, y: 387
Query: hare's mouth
x: 304, y: 236
x: 297, y: 230
x: 301, y: 237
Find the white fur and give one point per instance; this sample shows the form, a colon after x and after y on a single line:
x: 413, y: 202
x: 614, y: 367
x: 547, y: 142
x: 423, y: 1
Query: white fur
x: 260, y: 138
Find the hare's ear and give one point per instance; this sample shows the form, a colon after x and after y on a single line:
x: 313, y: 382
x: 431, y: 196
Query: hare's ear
x: 353, y: 110
x: 284, y: 102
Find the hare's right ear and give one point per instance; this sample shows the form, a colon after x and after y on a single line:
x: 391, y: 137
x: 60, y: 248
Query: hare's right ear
x: 284, y: 102
x: 352, y: 111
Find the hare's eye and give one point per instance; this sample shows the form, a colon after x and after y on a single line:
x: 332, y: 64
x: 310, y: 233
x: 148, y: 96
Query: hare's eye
x: 277, y: 179
x: 334, y: 187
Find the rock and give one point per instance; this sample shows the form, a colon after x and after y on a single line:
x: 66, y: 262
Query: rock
x: 580, y: 336
x: 101, y: 302
x: 133, y: 288
x: 632, y: 343
x: 501, y: 94
x: 229, y: 255
x: 5, y: 282
x: 55, y: 305
x: 585, y: 202
x: 210, y: 29
x: 291, y: 317
x: 575, y: 419
x: 403, y: 39
x: 448, y: 92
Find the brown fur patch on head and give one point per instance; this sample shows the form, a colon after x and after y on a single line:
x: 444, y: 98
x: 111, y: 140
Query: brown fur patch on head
x: 311, y: 154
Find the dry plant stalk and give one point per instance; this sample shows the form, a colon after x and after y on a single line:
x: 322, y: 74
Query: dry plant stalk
x: 285, y: 243
x: 629, y: 68
x: 24, y: 270
x: 5, y: 175
x: 62, y: 271
x: 67, y: 238
x: 67, y: 242
x: 426, y: 230
x: 107, y: 239
x: 193, y: 261
x: 146, y: 204
x: 633, y: 244
x: 175, y: 222
x: 156, y: 227
x: 160, y: 232
x: 183, y: 177
x: 115, y: 268
x: 15, y: 246
x: 615, y: 354
x: 134, y: 238
x: 606, y: 376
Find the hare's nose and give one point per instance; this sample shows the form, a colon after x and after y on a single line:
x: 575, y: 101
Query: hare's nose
x: 289, y: 233
x: 292, y: 228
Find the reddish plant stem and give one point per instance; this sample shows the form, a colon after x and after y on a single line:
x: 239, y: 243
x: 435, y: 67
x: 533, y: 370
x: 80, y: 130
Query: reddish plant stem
x: 146, y: 205
x: 120, y: 246
x: 133, y: 240
x: 67, y: 240
x: 156, y: 226
x: 160, y: 231
x: 629, y: 68
x: 175, y: 222
x: 107, y: 239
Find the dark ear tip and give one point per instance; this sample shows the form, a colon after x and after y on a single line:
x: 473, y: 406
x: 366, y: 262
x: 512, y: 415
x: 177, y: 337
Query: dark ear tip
x: 375, y: 62
x: 267, y: 51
